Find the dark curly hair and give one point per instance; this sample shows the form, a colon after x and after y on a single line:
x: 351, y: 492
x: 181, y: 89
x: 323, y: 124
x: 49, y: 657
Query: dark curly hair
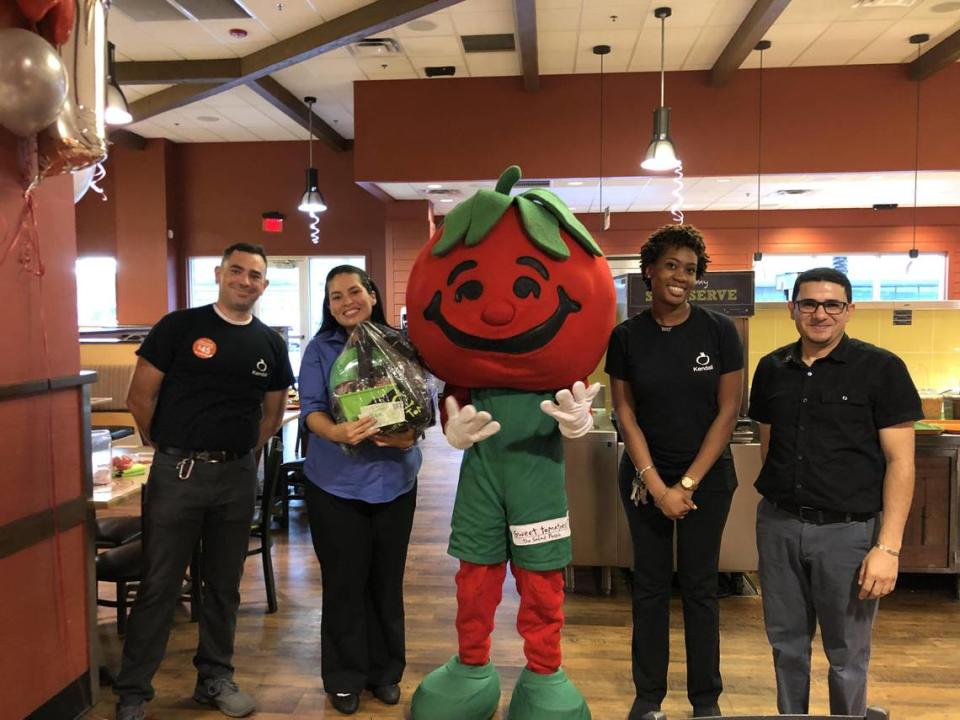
x: 670, y: 236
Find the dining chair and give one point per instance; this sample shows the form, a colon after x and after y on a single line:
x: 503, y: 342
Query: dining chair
x: 263, y: 517
x: 292, y: 477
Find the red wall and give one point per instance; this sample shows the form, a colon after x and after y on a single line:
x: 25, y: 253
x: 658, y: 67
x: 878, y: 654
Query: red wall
x: 836, y: 119
x: 43, y: 608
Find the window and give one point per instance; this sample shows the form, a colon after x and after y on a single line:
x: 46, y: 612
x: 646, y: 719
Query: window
x: 201, y: 282
x: 96, y: 291
x: 874, y: 277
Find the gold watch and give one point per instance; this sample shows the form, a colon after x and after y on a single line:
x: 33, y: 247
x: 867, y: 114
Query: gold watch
x: 688, y: 483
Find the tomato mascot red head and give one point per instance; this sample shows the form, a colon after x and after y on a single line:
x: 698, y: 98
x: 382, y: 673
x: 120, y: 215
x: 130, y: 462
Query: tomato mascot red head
x: 511, y: 292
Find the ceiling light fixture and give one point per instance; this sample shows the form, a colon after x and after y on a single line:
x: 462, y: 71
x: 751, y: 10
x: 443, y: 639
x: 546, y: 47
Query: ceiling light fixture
x: 661, y: 153
x: 116, y: 111
x: 761, y: 46
x: 602, y: 50
x: 917, y: 40
x: 312, y: 200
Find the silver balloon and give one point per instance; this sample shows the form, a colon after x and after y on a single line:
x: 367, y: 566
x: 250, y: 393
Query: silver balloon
x: 33, y: 82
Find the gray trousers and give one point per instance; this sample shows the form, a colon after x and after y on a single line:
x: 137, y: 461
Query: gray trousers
x: 808, y: 573
x: 215, y: 505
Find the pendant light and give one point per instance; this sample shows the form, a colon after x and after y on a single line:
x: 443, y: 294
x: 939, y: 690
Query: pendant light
x: 312, y: 201
x: 917, y: 40
x: 761, y: 46
x: 602, y: 50
x: 116, y: 111
x: 661, y: 154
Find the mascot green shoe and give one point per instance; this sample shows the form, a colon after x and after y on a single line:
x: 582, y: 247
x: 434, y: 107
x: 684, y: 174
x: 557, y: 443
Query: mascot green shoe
x: 457, y: 692
x: 547, y: 697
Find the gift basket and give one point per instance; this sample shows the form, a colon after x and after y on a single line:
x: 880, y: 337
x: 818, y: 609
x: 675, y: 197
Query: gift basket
x: 378, y: 374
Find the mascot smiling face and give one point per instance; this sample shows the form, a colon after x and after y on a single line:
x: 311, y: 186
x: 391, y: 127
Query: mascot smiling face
x: 511, y: 292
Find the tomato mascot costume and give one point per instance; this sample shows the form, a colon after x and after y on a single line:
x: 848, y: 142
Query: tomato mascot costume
x: 511, y: 303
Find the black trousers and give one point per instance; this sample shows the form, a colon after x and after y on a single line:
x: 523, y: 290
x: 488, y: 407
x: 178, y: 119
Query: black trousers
x: 362, y: 549
x: 698, y: 556
x: 215, y: 505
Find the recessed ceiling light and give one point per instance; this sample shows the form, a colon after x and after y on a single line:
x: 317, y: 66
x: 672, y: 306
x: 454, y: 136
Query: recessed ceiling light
x: 434, y: 186
x: 575, y: 182
x: 208, y: 118
x: 723, y: 180
x: 446, y: 199
x: 422, y: 25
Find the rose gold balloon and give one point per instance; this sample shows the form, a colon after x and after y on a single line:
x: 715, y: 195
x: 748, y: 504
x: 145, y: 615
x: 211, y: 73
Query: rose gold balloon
x: 71, y: 143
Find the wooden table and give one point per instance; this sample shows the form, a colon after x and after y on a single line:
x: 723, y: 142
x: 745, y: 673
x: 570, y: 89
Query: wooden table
x: 119, y: 489
x: 122, y: 488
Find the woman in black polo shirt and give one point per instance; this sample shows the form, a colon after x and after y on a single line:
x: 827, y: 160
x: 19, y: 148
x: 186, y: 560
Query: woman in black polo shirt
x: 676, y: 374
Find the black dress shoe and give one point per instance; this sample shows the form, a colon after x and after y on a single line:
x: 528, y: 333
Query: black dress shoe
x: 388, y: 694
x: 643, y: 710
x: 346, y: 704
x: 705, y: 711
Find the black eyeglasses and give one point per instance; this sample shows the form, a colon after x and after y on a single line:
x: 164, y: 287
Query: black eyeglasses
x: 831, y: 307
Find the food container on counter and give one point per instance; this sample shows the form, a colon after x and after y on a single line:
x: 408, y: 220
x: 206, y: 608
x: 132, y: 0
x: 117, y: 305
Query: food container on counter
x: 101, y: 457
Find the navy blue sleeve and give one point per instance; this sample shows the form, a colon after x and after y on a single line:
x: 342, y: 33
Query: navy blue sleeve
x: 314, y: 393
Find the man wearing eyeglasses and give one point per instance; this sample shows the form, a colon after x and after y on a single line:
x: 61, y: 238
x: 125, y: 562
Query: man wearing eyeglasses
x: 836, y: 420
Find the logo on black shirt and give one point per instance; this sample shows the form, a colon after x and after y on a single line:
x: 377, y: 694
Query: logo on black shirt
x: 702, y: 363
x: 261, y: 368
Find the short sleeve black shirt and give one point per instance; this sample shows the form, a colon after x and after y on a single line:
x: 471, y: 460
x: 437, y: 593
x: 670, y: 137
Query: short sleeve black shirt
x: 215, y: 376
x: 674, y: 378
x: 825, y: 419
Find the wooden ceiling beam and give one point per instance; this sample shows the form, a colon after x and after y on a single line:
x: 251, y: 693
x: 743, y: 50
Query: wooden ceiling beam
x: 175, y: 72
x: 525, y: 14
x: 751, y: 31
x: 172, y: 98
x: 295, y: 109
x: 944, y: 53
x: 126, y: 138
x: 363, y: 22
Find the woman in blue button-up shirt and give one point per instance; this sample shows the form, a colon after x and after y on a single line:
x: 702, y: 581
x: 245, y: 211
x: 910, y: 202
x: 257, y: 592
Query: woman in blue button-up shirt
x: 361, y: 509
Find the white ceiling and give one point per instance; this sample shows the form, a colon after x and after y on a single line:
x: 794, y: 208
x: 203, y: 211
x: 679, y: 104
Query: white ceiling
x: 655, y: 194
x: 809, y: 32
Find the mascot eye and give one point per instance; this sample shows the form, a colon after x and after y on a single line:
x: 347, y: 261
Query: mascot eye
x: 526, y: 285
x: 471, y: 290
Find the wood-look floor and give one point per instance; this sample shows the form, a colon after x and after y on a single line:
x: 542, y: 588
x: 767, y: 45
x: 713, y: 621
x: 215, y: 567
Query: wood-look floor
x: 915, y: 672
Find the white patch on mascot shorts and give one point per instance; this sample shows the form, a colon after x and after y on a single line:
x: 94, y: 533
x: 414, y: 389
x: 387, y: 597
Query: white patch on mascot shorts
x: 541, y: 532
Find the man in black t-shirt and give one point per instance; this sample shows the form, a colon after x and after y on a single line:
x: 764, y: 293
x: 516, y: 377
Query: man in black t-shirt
x: 837, y: 439
x: 209, y: 388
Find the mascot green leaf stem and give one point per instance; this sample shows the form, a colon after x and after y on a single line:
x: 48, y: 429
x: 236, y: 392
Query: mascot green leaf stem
x: 511, y: 303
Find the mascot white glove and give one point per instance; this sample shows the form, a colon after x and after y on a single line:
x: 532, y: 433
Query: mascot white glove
x: 572, y: 409
x: 465, y: 426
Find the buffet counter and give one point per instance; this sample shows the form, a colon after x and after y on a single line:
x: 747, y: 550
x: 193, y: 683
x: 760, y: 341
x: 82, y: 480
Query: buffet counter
x: 601, y: 536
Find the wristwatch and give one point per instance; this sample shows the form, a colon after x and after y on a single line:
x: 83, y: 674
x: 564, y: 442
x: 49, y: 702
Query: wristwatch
x: 688, y: 483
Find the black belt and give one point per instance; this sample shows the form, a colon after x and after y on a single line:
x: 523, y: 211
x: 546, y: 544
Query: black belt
x: 816, y: 516
x: 205, y: 456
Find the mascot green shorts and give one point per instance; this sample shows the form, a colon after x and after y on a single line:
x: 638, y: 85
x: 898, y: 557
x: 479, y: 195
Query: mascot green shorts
x: 511, y: 501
